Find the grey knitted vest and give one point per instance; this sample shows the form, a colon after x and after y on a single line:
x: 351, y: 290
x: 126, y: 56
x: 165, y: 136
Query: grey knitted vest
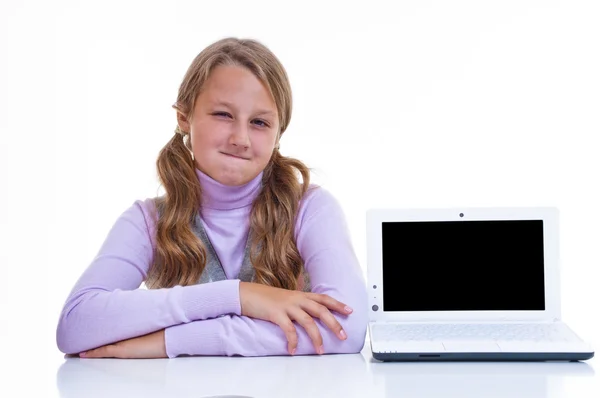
x: 214, y: 270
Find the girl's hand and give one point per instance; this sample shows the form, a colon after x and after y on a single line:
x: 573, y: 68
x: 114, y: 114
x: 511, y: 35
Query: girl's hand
x: 148, y: 346
x: 282, y: 307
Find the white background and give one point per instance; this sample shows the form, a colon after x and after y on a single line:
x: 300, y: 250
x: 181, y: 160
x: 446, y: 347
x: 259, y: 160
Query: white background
x: 416, y: 104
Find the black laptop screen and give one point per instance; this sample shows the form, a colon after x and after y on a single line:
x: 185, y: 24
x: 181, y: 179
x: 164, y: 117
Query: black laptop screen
x: 463, y: 266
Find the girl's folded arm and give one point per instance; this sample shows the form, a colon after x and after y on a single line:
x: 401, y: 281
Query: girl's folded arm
x: 107, y: 305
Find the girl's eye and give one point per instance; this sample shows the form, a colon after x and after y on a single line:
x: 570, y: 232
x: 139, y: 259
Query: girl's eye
x: 222, y: 114
x: 258, y: 122
x: 264, y: 124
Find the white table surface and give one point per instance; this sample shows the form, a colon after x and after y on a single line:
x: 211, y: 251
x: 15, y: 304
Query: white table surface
x: 356, y: 375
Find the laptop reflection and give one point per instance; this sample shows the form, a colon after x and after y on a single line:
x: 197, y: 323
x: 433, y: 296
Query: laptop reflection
x: 481, y: 379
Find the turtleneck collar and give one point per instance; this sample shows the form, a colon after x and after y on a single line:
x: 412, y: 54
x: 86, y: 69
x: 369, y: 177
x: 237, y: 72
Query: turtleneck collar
x: 225, y: 197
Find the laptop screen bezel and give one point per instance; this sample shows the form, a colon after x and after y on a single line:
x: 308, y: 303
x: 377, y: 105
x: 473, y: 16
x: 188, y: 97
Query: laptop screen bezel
x: 375, y: 218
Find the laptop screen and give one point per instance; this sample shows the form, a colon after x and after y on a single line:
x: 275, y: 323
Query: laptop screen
x: 463, y: 265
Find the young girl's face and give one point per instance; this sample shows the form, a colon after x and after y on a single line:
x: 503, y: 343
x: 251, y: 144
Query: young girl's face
x: 234, y: 126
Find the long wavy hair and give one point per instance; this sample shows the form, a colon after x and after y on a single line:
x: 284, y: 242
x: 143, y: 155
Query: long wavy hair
x: 180, y: 256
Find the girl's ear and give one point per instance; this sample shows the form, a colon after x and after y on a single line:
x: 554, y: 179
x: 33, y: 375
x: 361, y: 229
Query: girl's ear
x: 183, y: 122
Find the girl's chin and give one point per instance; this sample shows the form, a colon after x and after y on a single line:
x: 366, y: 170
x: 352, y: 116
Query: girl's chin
x: 233, y: 179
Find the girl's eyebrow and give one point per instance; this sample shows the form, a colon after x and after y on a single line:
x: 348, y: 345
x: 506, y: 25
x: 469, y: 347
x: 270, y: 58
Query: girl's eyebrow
x: 229, y: 105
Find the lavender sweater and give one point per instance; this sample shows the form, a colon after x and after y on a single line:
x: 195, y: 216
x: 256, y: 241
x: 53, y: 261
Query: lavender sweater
x: 106, y: 304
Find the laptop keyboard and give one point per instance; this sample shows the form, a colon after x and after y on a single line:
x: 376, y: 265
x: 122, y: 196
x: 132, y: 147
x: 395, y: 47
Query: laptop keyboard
x: 464, y: 331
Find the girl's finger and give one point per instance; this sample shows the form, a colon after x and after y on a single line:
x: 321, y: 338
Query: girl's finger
x: 106, y: 351
x: 331, y: 303
x: 320, y: 311
x: 290, y: 333
x: 308, y: 323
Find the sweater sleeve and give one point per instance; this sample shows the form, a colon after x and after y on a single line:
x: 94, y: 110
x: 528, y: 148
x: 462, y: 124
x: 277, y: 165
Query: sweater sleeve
x: 325, y: 245
x: 106, y: 304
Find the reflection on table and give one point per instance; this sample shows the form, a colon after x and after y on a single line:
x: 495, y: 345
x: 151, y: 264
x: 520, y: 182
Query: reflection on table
x: 357, y: 375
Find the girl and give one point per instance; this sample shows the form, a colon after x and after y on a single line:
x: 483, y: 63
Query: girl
x: 239, y: 257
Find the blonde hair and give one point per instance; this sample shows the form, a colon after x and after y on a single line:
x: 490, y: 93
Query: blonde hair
x: 180, y: 256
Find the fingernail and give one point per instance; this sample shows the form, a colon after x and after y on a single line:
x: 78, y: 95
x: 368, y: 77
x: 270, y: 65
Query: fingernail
x: 321, y: 350
x: 82, y: 354
x: 294, y: 351
x: 343, y: 334
x: 348, y: 309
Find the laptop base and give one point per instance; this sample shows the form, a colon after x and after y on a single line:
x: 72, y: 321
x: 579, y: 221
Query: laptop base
x: 482, y: 356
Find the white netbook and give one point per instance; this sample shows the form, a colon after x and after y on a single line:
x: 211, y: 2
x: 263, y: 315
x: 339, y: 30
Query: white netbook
x: 467, y: 284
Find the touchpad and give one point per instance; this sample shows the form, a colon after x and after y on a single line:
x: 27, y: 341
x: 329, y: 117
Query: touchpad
x: 471, y: 346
